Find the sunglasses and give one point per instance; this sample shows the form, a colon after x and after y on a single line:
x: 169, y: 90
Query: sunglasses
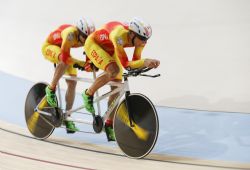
x: 83, y: 35
x: 141, y: 37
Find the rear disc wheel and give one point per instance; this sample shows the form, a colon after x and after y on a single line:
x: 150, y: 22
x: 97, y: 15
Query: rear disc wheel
x: 38, y: 125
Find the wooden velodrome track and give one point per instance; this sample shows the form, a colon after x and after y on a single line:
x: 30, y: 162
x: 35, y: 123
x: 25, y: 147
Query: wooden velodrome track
x: 20, y: 151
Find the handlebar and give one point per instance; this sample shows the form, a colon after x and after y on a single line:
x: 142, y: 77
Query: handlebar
x: 88, y: 67
x: 138, y: 72
x: 78, y: 67
x: 130, y: 72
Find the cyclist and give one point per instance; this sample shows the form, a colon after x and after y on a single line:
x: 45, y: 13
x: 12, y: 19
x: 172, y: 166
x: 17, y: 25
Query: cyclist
x: 105, y: 48
x: 56, y: 49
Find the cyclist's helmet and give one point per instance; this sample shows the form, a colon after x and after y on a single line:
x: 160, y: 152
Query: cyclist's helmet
x: 141, y: 28
x: 86, y: 26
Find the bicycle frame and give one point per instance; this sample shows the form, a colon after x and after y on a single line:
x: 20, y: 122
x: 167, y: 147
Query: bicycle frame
x: 122, y: 88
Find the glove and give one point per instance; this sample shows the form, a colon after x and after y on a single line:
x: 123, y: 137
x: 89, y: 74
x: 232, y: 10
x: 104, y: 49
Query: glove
x: 87, y: 66
x: 76, y: 65
x: 90, y: 67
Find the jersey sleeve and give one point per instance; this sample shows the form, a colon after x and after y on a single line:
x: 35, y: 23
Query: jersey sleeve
x: 68, y: 40
x: 137, y: 62
x: 118, y: 39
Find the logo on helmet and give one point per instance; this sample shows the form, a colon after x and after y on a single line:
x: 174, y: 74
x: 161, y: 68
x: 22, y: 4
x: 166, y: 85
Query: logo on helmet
x: 146, y: 31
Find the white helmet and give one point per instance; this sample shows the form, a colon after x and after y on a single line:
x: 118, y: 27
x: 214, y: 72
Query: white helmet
x: 140, y: 27
x: 86, y: 26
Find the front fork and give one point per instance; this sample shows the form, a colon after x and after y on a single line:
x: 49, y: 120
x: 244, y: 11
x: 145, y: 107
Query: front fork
x: 127, y: 94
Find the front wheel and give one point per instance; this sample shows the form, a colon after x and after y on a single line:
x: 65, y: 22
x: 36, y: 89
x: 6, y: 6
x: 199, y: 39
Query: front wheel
x: 136, y: 141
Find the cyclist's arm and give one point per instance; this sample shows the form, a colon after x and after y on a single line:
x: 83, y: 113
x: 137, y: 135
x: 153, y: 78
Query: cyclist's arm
x: 118, y: 38
x: 118, y: 41
x: 69, y: 40
x: 137, y: 62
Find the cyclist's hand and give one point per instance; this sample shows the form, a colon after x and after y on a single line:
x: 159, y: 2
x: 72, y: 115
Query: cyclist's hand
x: 79, y: 65
x: 87, y: 66
x: 90, y: 67
x: 151, y: 63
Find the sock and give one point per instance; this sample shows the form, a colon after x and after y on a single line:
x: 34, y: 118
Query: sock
x: 53, y: 89
x: 109, y: 122
x: 86, y: 92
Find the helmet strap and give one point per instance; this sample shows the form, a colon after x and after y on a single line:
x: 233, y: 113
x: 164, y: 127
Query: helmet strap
x: 133, y: 40
x: 130, y: 34
x: 81, y: 34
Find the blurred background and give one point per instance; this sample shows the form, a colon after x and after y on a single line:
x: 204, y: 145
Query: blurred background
x: 203, y: 46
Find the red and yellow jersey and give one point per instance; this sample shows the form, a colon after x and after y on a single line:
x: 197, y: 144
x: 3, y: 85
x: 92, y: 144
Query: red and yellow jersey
x: 113, y: 38
x: 66, y: 37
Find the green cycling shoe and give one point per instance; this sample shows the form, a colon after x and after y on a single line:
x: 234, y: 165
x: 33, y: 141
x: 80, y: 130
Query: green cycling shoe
x: 88, y: 102
x: 51, y: 97
x: 70, y: 127
x: 110, y: 133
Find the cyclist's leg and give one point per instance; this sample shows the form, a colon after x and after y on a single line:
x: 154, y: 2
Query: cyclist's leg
x: 110, y: 73
x: 70, y: 97
x: 109, y: 121
x: 70, y: 93
x: 118, y: 78
x: 112, y: 98
x: 51, y: 53
x: 102, y: 60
